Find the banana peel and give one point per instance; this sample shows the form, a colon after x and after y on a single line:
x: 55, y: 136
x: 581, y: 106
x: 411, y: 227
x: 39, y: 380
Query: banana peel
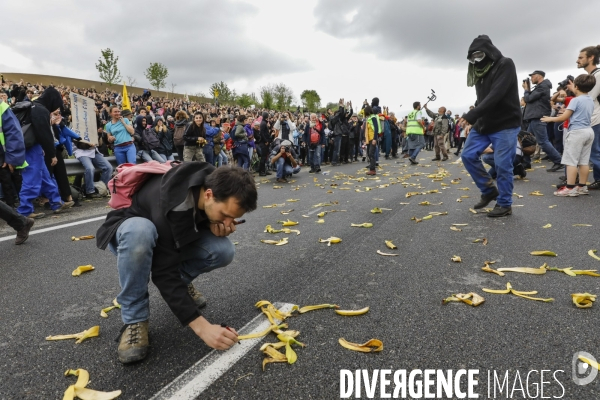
x: 574, y: 272
x: 390, y: 245
x: 592, y: 253
x: 81, y: 269
x: 536, y: 193
x: 386, y: 254
x: 376, y: 210
x: 487, y: 268
x: 281, y: 242
x: 582, y: 225
x: 525, y: 270
x: 583, y: 300
x: 305, y: 309
x: 543, y: 253
x: 269, y: 229
x: 292, y: 200
x: 547, y: 226
x: 104, y: 311
x: 453, y: 228
x: 290, y: 354
x: 288, y: 223
x: 270, y: 329
x: 321, y: 214
x: 320, y: 221
x: 78, y: 238
x: 273, y: 355
x: 525, y: 295
x: 373, y: 345
x: 81, y: 336
x: 472, y: 299
x: 351, y: 313
x: 79, y: 389
x: 330, y: 240
x: 367, y: 225
x: 456, y: 259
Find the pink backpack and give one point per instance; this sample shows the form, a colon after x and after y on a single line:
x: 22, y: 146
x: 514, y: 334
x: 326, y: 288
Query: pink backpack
x: 130, y: 178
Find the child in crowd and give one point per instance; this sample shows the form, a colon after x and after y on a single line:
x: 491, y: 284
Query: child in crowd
x: 578, y: 140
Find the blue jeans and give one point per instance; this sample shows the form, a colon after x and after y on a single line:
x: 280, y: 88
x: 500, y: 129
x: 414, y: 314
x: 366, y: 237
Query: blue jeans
x: 595, y: 154
x: 125, y: 154
x: 134, y: 244
x: 284, y: 169
x: 415, y: 145
x: 151, y: 155
x: 37, y: 181
x: 538, y: 128
x: 558, y: 137
x: 314, y: 157
x: 222, y: 158
x: 505, y: 148
x: 99, y: 162
x: 209, y: 154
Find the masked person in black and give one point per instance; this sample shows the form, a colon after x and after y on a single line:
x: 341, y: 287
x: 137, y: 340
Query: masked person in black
x: 496, y: 120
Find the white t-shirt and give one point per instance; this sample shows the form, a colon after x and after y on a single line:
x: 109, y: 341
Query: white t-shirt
x: 594, y: 95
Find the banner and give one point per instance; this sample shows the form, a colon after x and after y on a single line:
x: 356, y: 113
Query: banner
x: 125, y: 105
x: 83, y: 113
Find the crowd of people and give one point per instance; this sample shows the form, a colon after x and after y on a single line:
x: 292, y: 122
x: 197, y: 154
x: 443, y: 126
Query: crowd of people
x: 269, y: 142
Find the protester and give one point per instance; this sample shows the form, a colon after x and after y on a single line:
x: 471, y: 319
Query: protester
x: 414, y: 132
x: 284, y: 158
x: 120, y: 132
x: 195, y: 139
x: 172, y: 243
x: 441, y: 128
x: 495, y: 120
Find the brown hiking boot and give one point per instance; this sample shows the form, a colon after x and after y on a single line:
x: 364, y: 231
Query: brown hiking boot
x: 36, y: 216
x: 197, y: 296
x: 134, y: 343
x: 64, y: 206
x: 23, y: 234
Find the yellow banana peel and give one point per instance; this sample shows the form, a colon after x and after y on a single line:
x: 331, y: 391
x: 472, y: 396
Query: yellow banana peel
x: 574, y: 272
x: 387, y: 254
x: 473, y: 211
x: 351, y: 313
x: 390, y: 245
x: 269, y: 308
x: 427, y: 217
x: 286, y: 212
x: 456, y: 259
x: 288, y: 223
x: 81, y: 269
x: 321, y: 214
x: 81, y: 336
x: 363, y: 225
x: 552, y: 206
x: 424, y: 203
x: 373, y: 345
x: 547, y: 226
x: 525, y: 270
x: 290, y: 354
x: 315, y: 307
x: 330, y: 240
x: 320, y: 221
x: 438, y: 213
x: 582, y: 225
x: 543, y: 253
x: 458, y: 200
x: 460, y: 224
x: 487, y: 268
x: 592, y: 253
x: 273, y: 355
x: 525, y: 295
x: 583, y: 300
x: 276, y: 242
x: 77, y: 238
x: 288, y: 231
x: 292, y: 200
x: 104, y: 311
x: 79, y: 389
x: 270, y: 329
x: 277, y: 187
x: 269, y: 229
x: 536, y: 193
x: 453, y: 228
x: 322, y: 205
x: 472, y: 299
x: 376, y: 210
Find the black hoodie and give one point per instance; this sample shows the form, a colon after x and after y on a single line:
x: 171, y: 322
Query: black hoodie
x: 170, y: 202
x: 49, y: 101
x: 265, y: 135
x: 498, y: 106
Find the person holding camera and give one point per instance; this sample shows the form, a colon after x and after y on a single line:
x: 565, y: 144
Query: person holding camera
x: 537, y: 105
x: 120, y: 133
x: 284, y: 126
x: 284, y: 158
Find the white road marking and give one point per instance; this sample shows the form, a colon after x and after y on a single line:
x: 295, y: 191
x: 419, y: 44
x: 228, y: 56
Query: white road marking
x: 205, y: 372
x: 53, y: 228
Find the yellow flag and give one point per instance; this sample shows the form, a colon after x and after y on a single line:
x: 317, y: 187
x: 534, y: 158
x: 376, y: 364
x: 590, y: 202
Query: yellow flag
x: 125, y: 105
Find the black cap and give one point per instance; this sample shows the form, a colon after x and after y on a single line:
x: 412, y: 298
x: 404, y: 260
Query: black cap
x: 538, y: 72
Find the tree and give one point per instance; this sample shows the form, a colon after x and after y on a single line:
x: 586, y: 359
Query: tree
x: 311, y: 100
x: 107, y: 67
x: 267, y: 95
x: 283, y: 96
x: 221, y: 91
x: 131, y: 81
x: 157, y: 75
x: 245, y: 100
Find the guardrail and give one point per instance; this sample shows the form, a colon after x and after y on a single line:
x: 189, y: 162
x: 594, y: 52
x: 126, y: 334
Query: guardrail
x: 74, y: 167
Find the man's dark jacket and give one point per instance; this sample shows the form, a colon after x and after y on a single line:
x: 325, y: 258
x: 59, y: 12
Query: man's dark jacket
x: 538, y: 101
x: 498, y: 106
x: 169, y: 202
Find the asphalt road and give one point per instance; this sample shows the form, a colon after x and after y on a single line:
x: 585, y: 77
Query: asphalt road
x: 506, y: 333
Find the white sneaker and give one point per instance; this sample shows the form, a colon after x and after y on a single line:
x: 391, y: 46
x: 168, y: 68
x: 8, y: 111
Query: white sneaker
x: 582, y: 190
x: 566, y: 192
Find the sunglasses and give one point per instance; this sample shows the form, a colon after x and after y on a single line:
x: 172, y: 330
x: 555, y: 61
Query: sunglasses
x: 476, y: 57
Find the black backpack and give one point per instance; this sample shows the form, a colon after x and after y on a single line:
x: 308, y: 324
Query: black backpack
x: 22, y: 111
x: 528, y: 142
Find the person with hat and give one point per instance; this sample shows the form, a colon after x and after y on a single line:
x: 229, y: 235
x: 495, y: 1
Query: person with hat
x: 283, y: 157
x: 537, y: 105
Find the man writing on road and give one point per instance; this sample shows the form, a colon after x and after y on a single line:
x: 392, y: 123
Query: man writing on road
x: 496, y: 120
x: 175, y: 229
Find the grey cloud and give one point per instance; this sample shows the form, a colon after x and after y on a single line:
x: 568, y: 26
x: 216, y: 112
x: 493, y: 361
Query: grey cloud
x: 536, y: 34
x: 200, y: 42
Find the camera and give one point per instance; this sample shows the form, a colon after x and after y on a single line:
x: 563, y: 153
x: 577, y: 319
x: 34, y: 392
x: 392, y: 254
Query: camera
x: 566, y: 81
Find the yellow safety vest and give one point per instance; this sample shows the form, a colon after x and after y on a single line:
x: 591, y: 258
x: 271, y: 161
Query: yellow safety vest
x: 413, y: 127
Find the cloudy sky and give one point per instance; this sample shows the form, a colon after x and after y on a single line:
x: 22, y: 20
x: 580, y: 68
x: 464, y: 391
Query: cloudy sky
x: 395, y: 49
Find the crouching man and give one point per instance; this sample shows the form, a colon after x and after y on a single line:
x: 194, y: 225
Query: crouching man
x: 283, y: 157
x: 175, y: 230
